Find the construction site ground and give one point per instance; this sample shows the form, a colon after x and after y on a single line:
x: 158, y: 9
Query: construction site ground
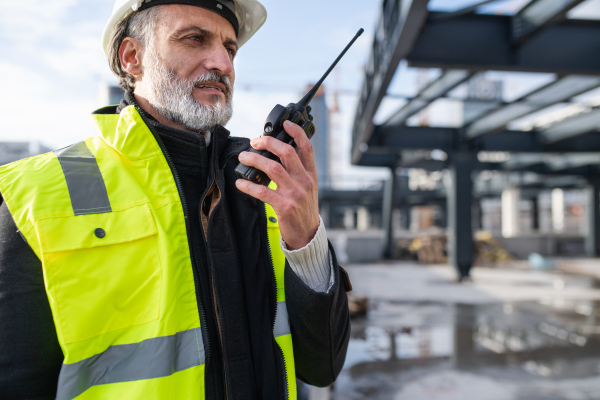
x: 510, y: 333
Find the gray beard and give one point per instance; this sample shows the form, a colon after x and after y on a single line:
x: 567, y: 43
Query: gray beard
x: 171, y: 96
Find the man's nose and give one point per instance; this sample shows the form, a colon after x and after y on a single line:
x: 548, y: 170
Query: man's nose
x: 219, y: 59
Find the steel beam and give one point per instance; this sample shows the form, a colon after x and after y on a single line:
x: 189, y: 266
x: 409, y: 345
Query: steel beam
x: 436, y: 89
x: 397, y: 29
x: 412, y: 157
x: 539, y: 13
x: 474, y: 110
x: 570, y: 161
x: 483, y: 42
x: 395, y: 139
x: 583, y: 170
x: 576, y: 125
x: 391, y: 141
x: 522, y: 160
x: 466, y: 10
x: 556, y: 92
x: 553, y: 162
x: 375, y: 198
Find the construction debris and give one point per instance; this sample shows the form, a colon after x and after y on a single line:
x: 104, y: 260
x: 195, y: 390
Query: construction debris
x: 432, y: 248
x: 357, y: 305
x: 488, y: 251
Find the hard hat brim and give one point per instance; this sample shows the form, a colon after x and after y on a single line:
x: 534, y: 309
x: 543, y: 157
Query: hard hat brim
x: 251, y: 15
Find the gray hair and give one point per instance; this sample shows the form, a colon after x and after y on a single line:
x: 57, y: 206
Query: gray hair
x: 139, y: 25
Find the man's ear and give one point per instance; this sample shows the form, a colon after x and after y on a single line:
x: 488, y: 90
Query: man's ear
x: 130, y: 54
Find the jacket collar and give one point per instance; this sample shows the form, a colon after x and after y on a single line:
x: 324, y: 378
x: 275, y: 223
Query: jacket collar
x: 129, y: 134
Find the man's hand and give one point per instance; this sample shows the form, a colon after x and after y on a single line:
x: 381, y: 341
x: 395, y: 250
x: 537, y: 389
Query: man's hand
x: 296, y: 200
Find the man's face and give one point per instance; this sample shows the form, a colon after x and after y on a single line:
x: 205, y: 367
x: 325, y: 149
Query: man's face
x: 193, y: 42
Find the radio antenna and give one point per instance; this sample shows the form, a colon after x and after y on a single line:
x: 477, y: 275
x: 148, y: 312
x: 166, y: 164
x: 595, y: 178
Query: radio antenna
x: 309, y: 96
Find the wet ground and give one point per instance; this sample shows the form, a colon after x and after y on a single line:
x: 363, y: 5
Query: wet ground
x: 511, y: 334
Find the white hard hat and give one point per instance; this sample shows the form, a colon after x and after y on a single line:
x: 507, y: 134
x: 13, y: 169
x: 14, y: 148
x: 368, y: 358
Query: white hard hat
x: 250, y: 14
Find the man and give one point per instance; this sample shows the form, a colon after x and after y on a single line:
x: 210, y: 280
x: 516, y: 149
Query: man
x: 135, y: 265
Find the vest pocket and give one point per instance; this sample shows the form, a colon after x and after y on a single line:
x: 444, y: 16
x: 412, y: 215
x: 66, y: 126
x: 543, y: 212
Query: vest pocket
x: 102, y: 271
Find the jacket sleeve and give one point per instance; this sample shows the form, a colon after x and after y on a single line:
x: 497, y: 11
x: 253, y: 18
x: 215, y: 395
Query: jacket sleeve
x: 30, y: 356
x: 320, y: 326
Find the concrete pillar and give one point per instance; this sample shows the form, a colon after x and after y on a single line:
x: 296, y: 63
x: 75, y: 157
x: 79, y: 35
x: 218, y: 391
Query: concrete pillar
x: 415, y: 219
x: 389, y: 191
x: 593, y: 218
x: 558, y: 210
x: 460, y: 201
x: 510, y: 212
x: 349, y: 219
x: 362, y: 219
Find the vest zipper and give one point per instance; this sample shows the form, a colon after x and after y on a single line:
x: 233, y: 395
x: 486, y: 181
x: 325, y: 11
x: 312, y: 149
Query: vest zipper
x: 285, y: 371
x: 194, y: 269
x: 203, y: 323
x: 212, y: 278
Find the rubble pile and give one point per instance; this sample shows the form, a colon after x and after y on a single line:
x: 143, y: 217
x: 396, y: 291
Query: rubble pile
x: 433, y: 249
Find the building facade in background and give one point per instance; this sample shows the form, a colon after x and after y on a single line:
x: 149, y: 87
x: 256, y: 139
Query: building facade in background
x: 109, y: 95
x: 320, y: 140
x: 13, y: 151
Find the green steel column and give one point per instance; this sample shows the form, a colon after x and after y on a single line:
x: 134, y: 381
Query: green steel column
x: 388, y: 209
x: 593, y: 218
x: 460, y: 201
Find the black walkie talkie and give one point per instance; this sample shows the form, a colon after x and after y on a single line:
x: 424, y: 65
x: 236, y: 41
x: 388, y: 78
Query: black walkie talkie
x: 298, y: 113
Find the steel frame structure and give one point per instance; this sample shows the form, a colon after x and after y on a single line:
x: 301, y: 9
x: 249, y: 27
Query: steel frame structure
x: 539, y: 38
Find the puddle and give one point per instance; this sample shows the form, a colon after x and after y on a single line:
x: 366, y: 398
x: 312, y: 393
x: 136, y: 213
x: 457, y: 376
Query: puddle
x: 525, y: 350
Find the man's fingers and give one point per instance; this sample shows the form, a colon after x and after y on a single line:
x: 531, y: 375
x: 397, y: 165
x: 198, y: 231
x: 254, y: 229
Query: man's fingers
x: 262, y: 193
x: 273, y: 169
x: 305, y: 149
x: 286, y: 153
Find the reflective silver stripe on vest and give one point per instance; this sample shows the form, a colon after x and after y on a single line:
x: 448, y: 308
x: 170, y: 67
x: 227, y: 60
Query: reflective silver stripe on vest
x: 151, y: 358
x: 282, y: 322
x: 84, y: 180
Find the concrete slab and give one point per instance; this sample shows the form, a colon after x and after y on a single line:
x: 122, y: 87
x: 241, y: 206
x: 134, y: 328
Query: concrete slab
x: 416, y: 282
x: 511, y: 334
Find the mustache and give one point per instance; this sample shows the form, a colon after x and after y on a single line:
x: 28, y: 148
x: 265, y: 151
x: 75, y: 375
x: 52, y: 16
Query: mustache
x: 214, y: 76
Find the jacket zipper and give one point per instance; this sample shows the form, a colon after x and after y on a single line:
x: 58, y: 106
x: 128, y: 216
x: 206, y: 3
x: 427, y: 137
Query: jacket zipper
x: 285, y: 371
x: 212, y: 278
x: 195, y: 272
x: 203, y: 323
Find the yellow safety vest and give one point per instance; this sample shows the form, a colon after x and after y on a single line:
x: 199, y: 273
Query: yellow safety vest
x: 105, y: 218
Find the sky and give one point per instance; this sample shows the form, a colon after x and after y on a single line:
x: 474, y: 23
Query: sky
x: 52, y: 66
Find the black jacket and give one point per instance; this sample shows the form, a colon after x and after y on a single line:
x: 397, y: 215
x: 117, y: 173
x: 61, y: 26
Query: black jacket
x: 234, y: 261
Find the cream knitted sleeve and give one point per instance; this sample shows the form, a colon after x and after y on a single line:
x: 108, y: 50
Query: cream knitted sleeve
x: 312, y: 263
